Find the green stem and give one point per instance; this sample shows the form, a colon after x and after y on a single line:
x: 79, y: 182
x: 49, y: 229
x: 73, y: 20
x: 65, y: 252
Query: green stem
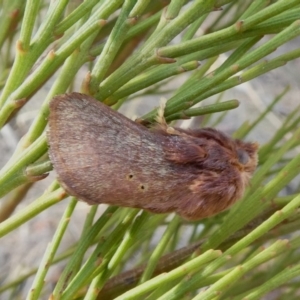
x: 221, y: 35
x: 158, y: 251
x: 50, y: 252
x: 273, y: 283
x: 99, y: 257
x: 147, y: 56
x: 85, y: 241
x: 127, y: 242
x: 165, y: 278
x: 80, y: 11
x: 112, y: 45
x: 14, y: 174
x: 225, y: 282
x: 176, y: 103
x: 32, y: 210
x: 30, y: 14
x: 13, y: 200
x: 208, y: 109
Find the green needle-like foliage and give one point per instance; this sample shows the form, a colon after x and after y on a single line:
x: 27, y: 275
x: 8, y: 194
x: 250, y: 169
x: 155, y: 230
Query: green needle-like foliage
x: 119, y: 51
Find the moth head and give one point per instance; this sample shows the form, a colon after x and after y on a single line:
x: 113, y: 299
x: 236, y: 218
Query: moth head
x: 241, y: 154
x: 246, y: 154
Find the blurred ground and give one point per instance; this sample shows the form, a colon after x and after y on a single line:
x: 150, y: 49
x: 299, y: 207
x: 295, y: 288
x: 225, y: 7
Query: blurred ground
x: 23, y: 249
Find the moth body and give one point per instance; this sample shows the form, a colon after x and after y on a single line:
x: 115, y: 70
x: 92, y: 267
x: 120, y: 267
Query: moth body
x: 101, y: 156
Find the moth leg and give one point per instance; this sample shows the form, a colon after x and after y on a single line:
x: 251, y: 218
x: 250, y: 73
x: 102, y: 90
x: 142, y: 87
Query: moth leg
x: 161, y: 121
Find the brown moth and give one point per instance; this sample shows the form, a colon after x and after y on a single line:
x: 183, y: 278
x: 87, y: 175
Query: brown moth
x: 101, y: 156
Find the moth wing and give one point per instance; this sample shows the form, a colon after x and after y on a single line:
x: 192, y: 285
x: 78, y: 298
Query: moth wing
x: 100, y: 156
x: 185, y: 152
x: 210, y: 194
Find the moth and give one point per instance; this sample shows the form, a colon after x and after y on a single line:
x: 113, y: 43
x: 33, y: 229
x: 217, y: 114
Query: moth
x: 101, y: 156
